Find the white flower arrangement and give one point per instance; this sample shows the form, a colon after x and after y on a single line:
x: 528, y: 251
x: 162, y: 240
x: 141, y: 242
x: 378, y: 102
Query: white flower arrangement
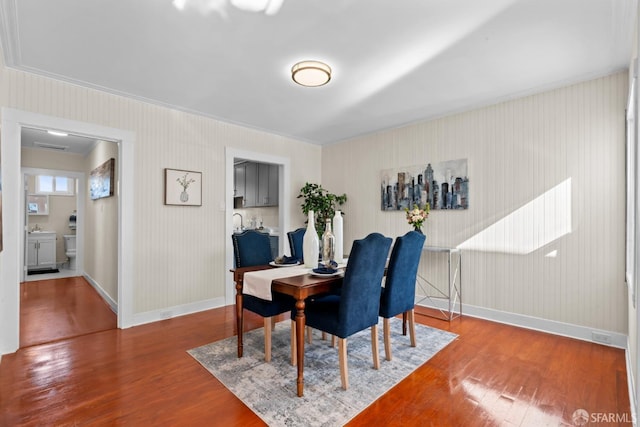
x: 417, y: 215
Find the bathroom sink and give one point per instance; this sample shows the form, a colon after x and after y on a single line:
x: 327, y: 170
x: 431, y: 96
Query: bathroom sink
x: 41, y: 231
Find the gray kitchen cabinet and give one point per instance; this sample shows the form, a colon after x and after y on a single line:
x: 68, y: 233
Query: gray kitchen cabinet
x: 267, y: 185
x: 239, y: 180
x: 274, y: 240
x: 251, y: 185
x: 257, y: 183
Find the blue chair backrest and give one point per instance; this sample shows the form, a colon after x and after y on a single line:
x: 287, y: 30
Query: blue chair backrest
x: 400, y: 285
x: 296, y: 238
x: 360, y: 294
x: 251, y: 248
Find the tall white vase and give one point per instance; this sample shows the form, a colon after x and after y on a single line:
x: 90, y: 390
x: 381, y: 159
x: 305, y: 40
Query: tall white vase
x: 338, y: 233
x: 310, y: 243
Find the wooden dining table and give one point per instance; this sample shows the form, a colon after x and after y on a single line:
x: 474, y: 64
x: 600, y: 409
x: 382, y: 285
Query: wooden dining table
x: 299, y: 287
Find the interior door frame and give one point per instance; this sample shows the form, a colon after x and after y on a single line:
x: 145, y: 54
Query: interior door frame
x: 284, y: 209
x: 80, y: 207
x: 10, y: 259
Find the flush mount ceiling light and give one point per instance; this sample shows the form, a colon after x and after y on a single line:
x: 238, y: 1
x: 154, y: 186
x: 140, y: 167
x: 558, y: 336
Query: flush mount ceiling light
x: 269, y: 7
x: 311, y: 73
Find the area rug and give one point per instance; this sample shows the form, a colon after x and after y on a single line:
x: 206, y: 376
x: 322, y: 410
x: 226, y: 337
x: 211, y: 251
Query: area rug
x: 269, y: 389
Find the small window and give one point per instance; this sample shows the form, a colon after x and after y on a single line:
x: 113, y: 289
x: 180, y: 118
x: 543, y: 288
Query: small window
x: 55, y: 185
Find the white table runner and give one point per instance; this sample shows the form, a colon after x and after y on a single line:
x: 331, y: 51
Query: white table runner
x: 258, y: 283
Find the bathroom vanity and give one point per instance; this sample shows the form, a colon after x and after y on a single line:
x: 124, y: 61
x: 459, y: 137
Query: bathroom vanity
x: 41, y: 250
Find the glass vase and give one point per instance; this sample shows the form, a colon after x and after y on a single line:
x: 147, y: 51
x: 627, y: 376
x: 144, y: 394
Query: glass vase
x: 328, y: 244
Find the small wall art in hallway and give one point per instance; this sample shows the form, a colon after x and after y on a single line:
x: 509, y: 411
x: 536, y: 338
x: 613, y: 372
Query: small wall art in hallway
x: 102, y: 180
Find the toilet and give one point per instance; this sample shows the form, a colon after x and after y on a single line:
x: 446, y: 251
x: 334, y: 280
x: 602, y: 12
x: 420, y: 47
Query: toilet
x: 70, y: 249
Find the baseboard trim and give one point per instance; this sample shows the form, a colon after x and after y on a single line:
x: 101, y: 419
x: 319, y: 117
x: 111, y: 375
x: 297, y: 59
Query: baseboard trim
x: 583, y: 333
x: 176, y: 311
x: 529, y: 322
x: 105, y: 296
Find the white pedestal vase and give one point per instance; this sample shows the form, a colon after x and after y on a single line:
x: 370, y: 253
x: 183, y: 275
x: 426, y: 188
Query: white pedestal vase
x: 311, y: 243
x: 338, y: 233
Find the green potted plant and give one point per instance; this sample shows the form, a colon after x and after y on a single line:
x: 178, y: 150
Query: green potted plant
x: 321, y: 201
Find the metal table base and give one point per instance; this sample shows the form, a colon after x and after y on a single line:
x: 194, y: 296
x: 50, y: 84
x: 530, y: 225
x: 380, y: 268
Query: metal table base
x: 441, y: 298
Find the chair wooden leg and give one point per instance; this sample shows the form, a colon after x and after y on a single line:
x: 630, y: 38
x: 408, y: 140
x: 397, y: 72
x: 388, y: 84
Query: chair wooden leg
x: 333, y: 341
x: 342, y: 355
x: 412, y: 327
x: 324, y: 336
x: 374, y: 346
x: 294, y: 347
x: 309, y: 334
x: 386, y: 327
x: 267, y: 339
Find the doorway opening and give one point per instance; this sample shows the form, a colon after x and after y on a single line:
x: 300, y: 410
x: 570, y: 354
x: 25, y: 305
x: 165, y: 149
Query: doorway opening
x: 56, y: 219
x: 280, y: 167
x: 11, y: 258
x: 55, y: 216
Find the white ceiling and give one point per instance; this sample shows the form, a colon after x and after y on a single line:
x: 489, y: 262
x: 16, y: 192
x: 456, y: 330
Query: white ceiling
x: 41, y: 139
x: 394, y: 62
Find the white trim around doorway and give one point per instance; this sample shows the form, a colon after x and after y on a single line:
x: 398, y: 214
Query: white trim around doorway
x: 10, y: 173
x: 284, y: 197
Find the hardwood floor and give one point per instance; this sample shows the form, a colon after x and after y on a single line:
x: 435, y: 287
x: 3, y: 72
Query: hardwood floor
x: 51, y: 310
x: 493, y: 374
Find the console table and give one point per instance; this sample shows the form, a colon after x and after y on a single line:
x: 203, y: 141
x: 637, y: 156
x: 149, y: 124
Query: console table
x: 443, y: 301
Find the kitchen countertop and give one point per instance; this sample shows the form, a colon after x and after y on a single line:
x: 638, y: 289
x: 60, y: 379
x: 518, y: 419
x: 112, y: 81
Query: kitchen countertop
x: 264, y: 230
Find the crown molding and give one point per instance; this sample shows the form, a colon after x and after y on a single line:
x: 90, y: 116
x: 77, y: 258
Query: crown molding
x: 9, y: 35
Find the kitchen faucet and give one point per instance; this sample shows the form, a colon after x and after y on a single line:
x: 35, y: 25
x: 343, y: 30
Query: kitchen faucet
x: 241, y: 222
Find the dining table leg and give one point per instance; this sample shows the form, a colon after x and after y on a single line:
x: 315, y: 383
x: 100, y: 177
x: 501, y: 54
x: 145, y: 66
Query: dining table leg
x: 239, y: 317
x: 300, y: 326
x: 404, y: 323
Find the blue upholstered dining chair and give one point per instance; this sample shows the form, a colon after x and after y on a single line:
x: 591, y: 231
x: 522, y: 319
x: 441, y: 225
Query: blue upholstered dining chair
x: 296, y: 238
x: 357, y: 306
x: 399, y: 292
x: 252, y: 248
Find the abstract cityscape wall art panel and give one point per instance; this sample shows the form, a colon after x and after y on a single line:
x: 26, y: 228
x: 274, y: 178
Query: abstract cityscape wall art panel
x: 444, y: 185
x: 101, y: 180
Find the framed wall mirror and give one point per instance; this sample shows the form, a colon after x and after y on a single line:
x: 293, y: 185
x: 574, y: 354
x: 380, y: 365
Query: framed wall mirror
x: 38, y: 204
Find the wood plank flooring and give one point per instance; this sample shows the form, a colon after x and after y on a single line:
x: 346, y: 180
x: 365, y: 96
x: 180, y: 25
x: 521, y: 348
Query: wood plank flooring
x: 51, y: 310
x: 492, y: 375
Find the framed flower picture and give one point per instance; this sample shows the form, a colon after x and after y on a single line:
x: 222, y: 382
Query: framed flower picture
x: 182, y: 188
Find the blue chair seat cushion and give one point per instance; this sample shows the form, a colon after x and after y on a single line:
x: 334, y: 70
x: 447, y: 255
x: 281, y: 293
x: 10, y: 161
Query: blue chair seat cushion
x: 322, y: 314
x: 280, y: 304
x: 403, y: 302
